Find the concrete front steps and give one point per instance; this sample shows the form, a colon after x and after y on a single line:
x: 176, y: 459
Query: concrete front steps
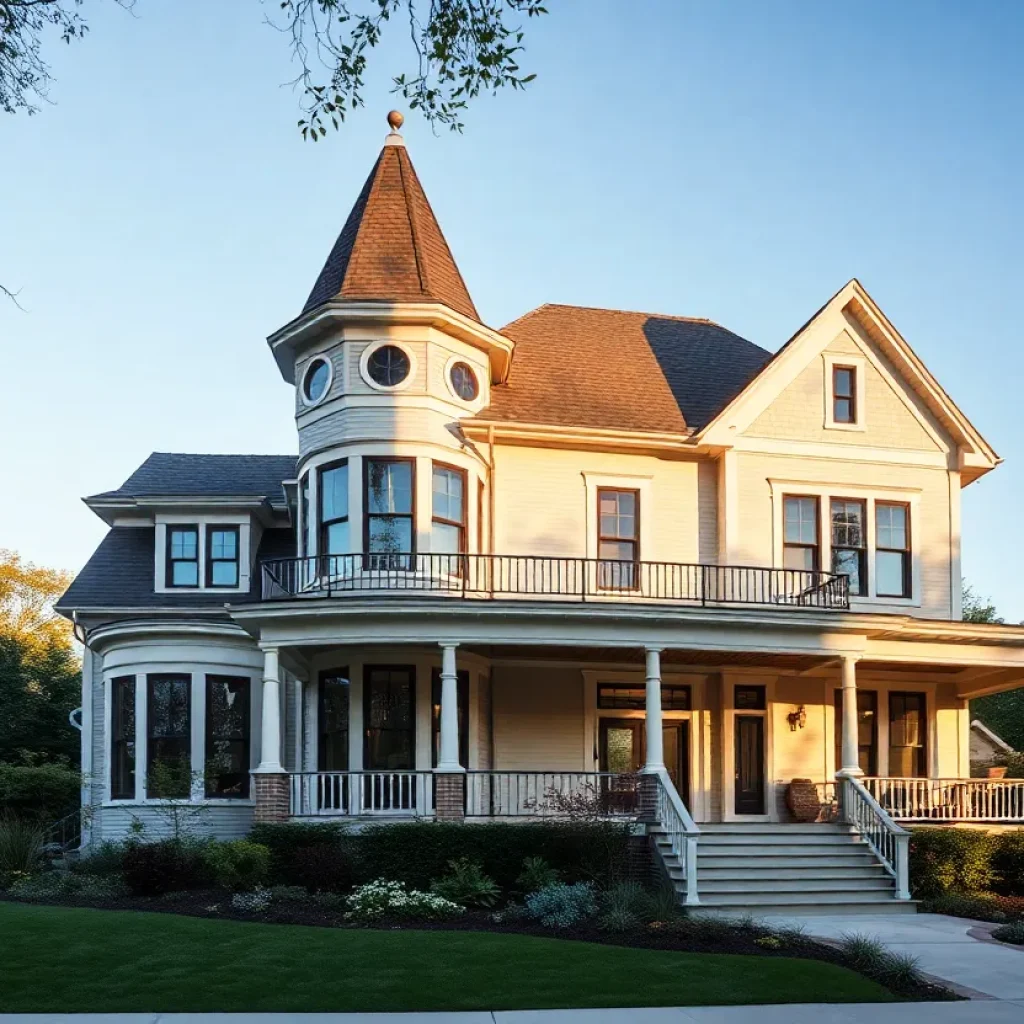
x: 782, y: 868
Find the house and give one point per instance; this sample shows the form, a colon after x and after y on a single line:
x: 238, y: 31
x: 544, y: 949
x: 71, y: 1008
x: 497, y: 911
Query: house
x: 597, y: 559
x: 986, y: 746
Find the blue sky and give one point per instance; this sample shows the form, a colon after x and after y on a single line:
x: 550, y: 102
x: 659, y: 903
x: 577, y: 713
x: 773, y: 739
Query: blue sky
x: 735, y: 160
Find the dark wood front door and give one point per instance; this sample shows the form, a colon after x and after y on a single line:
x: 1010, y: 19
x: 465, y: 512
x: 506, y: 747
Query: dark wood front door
x: 623, y: 749
x: 749, y: 790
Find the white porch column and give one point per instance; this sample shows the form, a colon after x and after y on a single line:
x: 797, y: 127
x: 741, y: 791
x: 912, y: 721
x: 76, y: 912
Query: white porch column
x: 270, y: 741
x: 448, y: 754
x: 850, y: 745
x: 655, y: 760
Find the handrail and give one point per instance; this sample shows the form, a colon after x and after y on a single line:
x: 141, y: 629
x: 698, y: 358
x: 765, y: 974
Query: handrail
x: 676, y: 822
x: 551, y: 576
x: 889, y: 841
x: 922, y: 799
x: 494, y: 793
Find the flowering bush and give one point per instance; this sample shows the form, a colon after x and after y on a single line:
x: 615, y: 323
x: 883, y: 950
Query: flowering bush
x: 562, y: 906
x: 381, y: 898
x: 255, y: 902
x: 55, y: 885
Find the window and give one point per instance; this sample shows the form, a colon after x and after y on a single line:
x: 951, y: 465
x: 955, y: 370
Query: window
x: 222, y: 556
x: 464, y: 382
x: 122, y: 738
x: 388, y: 530
x: 316, y: 381
x: 892, y: 549
x: 227, y: 737
x: 463, y: 713
x: 622, y: 697
x: 800, y: 533
x: 908, y: 727
x: 844, y: 394
x: 334, y: 530
x: 867, y: 730
x: 388, y: 366
x: 618, y: 538
x: 850, y: 542
x: 303, y: 546
x: 182, y: 556
x: 332, y: 746
x: 389, y: 719
x: 168, y: 718
x: 448, y: 522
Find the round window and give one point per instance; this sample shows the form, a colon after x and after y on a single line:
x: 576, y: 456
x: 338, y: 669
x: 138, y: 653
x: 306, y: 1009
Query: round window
x: 316, y: 381
x: 464, y: 382
x: 388, y: 366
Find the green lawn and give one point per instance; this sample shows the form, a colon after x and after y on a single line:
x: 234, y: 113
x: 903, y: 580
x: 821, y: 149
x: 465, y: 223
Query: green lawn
x: 63, y: 960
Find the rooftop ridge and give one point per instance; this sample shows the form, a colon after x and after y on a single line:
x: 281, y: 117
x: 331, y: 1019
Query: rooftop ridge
x: 610, y: 309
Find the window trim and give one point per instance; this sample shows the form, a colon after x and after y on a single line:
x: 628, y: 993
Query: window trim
x: 411, y: 515
x: 463, y: 526
x: 907, y: 552
x: 845, y: 361
x: 321, y: 523
x: 188, y: 678
x: 478, y: 373
x: 209, y: 678
x: 864, y: 550
x: 364, y: 366
x: 311, y: 403
x: 816, y: 546
x: 838, y: 368
x: 123, y: 684
x: 169, y: 561
x: 212, y: 528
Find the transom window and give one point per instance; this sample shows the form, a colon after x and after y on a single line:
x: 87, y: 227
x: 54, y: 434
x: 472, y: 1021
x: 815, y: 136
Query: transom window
x: 892, y: 549
x: 388, y: 366
x: 801, y: 535
x: 618, y: 538
x: 388, y: 526
x: 464, y: 382
x: 850, y: 542
x: 227, y: 737
x: 334, y: 527
x: 844, y: 394
x: 622, y: 697
x: 183, y: 556
x: 222, y: 556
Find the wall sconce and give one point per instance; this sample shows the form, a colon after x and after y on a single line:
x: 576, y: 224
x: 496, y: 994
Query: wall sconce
x: 797, y: 718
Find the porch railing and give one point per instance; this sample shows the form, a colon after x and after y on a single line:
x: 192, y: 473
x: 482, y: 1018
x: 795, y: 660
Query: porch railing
x: 580, y: 795
x: 949, y: 799
x: 551, y: 577
x: 890, y: 842
x: 681, y: 831
x: 355, y: 794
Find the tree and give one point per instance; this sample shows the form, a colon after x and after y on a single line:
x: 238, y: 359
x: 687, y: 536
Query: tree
x: 40, y: 681
x: 977, y: 609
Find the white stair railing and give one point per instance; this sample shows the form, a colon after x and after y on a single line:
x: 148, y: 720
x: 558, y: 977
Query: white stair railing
x: 680, y: 829
x: 889, y: 842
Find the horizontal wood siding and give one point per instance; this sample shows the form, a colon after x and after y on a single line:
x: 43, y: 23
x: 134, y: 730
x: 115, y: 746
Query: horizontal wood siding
x: 538, y: 719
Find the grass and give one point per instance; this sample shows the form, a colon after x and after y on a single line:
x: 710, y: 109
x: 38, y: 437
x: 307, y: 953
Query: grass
x: 60, y: 960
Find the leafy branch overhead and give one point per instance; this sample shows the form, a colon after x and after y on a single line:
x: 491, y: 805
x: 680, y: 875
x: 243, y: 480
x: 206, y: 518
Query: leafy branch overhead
x: 462, y: 48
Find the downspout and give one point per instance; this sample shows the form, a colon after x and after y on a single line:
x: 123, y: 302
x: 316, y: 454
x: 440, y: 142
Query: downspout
x: 490, y: 489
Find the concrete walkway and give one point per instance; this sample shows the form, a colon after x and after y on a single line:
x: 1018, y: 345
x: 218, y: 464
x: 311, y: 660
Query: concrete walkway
x: 941, y: 944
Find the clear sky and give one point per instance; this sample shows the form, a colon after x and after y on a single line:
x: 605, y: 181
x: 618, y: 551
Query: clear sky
x: 736, y: 160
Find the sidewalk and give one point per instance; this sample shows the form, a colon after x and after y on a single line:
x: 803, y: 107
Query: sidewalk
x: 974, y: 1012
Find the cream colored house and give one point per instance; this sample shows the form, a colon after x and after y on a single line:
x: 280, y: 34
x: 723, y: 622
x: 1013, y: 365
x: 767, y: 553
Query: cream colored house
x: 594, y: 562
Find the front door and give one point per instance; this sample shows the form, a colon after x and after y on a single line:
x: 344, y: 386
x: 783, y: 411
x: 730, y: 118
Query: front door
x: 749, y: 790
x: 623, y: 749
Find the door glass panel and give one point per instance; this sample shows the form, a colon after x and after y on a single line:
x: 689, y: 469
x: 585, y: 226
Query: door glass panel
x: 620, y: 754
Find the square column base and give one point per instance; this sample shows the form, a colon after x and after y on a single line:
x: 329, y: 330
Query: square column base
x: 450, y: 796
x: 273, y: 797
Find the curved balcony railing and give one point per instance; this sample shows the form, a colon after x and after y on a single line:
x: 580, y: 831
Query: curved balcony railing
x: 542, y: 577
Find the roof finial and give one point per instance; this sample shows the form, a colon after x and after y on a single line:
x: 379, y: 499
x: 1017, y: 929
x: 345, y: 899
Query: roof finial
x: 396, y: 120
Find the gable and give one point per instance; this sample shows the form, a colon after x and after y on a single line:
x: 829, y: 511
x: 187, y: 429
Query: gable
x: 893, y: 416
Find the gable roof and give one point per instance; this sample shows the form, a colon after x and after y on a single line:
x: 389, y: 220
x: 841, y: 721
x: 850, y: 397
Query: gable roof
x: 391, y: 247
x: 584, y: 367
x: 172, y: 473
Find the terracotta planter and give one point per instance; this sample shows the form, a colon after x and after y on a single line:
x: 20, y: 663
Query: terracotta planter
x: 997, y: 772
x: 802, y: 800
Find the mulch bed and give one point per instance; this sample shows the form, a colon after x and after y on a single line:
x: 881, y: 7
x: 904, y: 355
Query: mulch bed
x: 687, y: 937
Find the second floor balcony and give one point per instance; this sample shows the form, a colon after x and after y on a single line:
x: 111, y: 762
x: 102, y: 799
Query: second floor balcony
x: 550, y: 578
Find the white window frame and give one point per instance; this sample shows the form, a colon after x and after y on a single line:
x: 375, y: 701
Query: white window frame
x: 201, y: 521
x: 782, y: 489
x: 857, y: 363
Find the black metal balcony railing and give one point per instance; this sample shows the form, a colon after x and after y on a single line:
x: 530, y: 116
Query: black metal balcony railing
x: 550, y: 577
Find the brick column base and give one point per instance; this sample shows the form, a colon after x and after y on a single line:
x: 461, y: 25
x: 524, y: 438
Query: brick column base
x: 450, y: 799
x: 273, y: 801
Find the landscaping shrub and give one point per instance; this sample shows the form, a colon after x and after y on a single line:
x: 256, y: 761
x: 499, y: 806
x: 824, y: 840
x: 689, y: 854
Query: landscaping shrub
x: 944, y: 860
x: 107, y: 858
x: 58, y: 885
x: 418, y: 852
x: 44, y: 792
x: 171, y: 865
x: 325, y: 867
x: 382, y: 898
x: 1010, y: 933
x: 562, y: 906
x: 1008, y: 862
x: 467, y: 885
x: 982, y: 906
x: 241, y: 865
x: 21, y: 846
x: 537, y: 874
x: 628, y: 904
x: 255, y: 902
x: 285, y: 839
x: 870, y: 957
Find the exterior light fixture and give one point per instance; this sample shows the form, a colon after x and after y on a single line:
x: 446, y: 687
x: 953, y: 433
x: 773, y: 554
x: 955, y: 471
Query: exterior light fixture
x: 797, y: 718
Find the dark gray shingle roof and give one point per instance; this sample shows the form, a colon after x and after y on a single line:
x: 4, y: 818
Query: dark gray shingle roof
x: 120, y: 574
x: 167, y: 473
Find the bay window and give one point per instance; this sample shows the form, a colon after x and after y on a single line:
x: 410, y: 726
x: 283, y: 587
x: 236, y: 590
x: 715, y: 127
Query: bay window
x: 122, y: 738
x: 448, y: 514
x: 333, y: 721
x: 227, y: 736
x: 388, y: 534
x: 169, y: 735
x: 334, y: 525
